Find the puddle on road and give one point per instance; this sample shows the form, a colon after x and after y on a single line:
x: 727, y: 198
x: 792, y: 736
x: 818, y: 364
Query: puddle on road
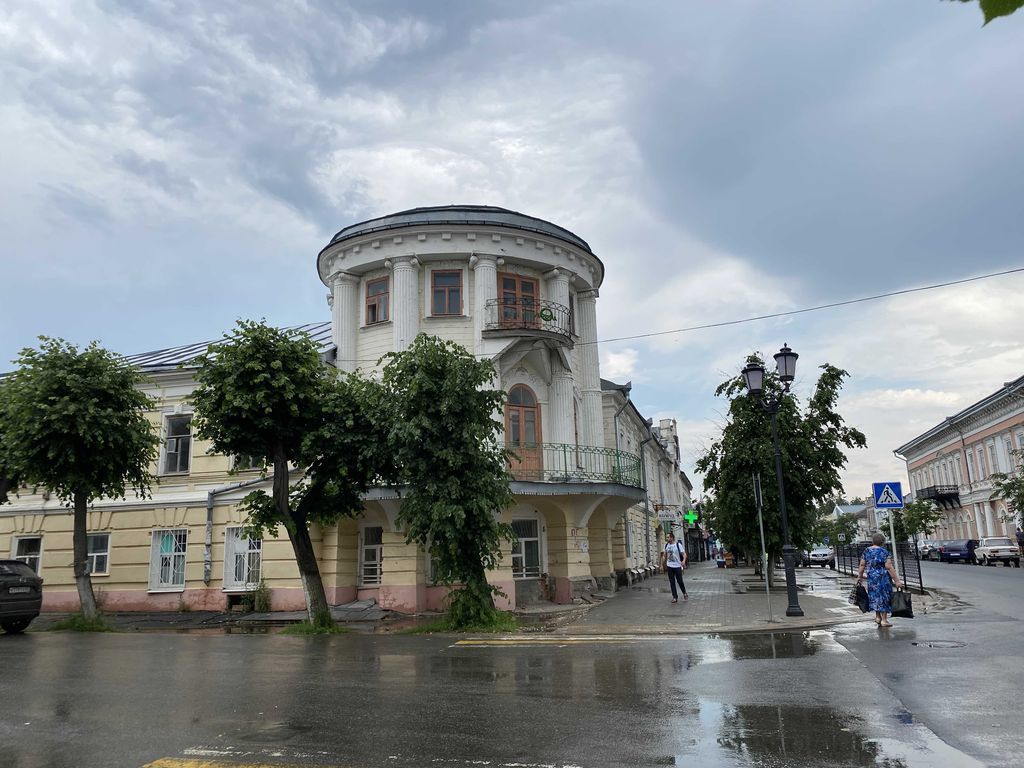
x: 765, y: 735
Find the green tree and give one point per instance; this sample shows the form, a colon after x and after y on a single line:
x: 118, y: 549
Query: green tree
x: 265, y: 392
x: 918, y: 518
x: 845, y: 524
x: 993, y: 9
x: 8, y: 478
x: 444, y: 439
x: 1011, y: 489
x: 74, y: 422
x: 812, y: 443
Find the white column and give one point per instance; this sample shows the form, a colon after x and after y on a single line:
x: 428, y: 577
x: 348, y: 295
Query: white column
x: 560, y: 407
x: 557, y: 290
x: 344, y: 303
x: 485, y: 288
x: 984, y: 518
x: 592, y: 426
x: 405, y: 301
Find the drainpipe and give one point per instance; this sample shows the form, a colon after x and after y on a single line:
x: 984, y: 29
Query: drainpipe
x: 625, y: 389
x: 208, y: 540
x: 647, y: 496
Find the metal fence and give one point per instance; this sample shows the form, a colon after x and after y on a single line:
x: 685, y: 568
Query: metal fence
x: 908, y: 561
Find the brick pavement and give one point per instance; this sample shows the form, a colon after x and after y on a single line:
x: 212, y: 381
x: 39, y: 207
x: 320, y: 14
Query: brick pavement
x: 719, y: 600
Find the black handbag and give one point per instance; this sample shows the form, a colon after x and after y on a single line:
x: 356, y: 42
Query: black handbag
x: 860, y: 598
x: 901, y: 605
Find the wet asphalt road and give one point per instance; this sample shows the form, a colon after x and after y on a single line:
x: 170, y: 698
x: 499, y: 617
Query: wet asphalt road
x: 799, y: 699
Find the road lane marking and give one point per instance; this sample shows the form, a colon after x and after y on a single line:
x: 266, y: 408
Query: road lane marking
x: 173, y: 762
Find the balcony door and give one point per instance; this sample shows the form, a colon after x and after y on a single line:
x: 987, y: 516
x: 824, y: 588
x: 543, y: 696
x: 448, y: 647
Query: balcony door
x: 523, y: 434
x: 518, y: 299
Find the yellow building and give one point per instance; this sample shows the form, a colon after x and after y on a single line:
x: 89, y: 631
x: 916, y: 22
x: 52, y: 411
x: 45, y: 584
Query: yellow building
x: 514, y: 289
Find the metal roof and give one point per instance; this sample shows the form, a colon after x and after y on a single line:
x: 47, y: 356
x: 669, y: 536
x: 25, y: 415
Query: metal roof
x: 172, y: 357
x: 460, y: 215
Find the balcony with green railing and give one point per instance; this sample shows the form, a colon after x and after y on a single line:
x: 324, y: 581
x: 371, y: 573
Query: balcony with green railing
x: 570, y: 463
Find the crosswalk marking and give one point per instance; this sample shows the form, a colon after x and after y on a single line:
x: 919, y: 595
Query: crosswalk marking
x: 173, y: 762
x: 557, y: 640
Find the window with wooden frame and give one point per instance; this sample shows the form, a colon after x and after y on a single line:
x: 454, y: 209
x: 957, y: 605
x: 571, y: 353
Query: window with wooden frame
x: 377, y: 299
x: 177, y: 444
x: 446, y: 292
x: 371, y: 555
x: 29, y: 550
x: 98, y: 552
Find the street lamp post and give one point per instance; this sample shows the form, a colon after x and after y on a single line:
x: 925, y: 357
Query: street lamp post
x: 753, y: 376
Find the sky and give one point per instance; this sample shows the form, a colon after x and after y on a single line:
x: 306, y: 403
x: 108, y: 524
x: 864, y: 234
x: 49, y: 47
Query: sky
x: 170, y: 167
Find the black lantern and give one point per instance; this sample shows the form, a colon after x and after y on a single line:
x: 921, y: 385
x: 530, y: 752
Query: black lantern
x: 785, y: 363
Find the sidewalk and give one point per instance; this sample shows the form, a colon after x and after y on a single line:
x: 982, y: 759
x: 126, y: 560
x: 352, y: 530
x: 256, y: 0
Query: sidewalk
x: 721, y: 600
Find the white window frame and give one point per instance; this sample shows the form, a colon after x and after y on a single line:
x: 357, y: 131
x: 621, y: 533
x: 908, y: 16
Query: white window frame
x: 25, y: 558
x: 236, y: 467
x: 993, y: 457
x: 155, y: 584
x: 237, y: 544
x: 164, y: 444
x: 362, y: 563
x: 92, y: 556
x: 521, y: 573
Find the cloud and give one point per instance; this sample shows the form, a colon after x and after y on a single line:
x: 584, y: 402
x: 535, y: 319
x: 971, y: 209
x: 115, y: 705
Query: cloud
x: 619, y: 367
x: 186, y: 164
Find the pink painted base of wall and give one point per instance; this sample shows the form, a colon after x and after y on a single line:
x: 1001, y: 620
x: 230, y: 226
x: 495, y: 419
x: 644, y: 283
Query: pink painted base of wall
x: 341, y: 595
x: 403, y: 599
x: 137, y: 600
x: 563, y: 590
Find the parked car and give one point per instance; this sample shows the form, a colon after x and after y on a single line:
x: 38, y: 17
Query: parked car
x: 936, y: 551
x: 924, y: 548
x: 960, y: 550
x: 819, y: 556
x: 997, y: 549
x: 21, y: 596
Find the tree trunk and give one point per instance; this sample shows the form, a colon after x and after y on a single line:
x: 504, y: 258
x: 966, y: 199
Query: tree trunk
x: 81, y: 554
x: 317, y: 610
x: 771, y: 570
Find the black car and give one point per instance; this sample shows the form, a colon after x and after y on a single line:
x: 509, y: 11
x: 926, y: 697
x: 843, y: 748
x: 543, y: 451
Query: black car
x: 21, y: 595
x: 960, y: 550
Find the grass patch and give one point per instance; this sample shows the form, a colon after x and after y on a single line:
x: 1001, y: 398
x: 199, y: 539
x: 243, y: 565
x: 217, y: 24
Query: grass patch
x: 308, y: 628
x: 78, y: 623
x: 503, y: 622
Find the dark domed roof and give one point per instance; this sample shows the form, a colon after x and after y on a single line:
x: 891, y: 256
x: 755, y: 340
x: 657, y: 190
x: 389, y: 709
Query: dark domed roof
x: 461, y: 215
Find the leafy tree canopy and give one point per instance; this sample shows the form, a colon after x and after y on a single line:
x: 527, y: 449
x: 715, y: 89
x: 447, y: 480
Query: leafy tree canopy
x: 73, y: 421
x: 993, y: 9
x: 812, y: 442
x: 918, y: 518
x: 444, y: 438
x: 1011, y: 489
x: 266, y: 393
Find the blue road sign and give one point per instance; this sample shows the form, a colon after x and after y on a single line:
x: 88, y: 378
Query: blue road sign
x: 824, y: 539
x: 888, y: 495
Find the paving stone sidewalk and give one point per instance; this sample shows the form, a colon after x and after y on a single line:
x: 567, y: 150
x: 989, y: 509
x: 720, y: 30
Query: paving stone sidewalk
x: 720, y: 600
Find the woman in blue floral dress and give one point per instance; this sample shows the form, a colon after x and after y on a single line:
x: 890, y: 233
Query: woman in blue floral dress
x: 877, y: 561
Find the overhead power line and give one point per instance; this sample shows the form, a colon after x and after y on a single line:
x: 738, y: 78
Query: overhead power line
x: 804, y: 310
x: 831, y: 305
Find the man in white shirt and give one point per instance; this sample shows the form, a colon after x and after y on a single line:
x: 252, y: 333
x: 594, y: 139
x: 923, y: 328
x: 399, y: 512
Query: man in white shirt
x: 673, y: 560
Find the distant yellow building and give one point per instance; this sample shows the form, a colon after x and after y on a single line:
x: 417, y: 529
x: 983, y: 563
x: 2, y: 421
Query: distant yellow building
x: 512, y: 288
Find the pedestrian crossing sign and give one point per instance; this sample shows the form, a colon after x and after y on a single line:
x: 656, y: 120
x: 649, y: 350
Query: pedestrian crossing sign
x: 888, y: 495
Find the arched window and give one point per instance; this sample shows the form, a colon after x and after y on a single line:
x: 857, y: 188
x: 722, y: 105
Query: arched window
x: 523, y: 433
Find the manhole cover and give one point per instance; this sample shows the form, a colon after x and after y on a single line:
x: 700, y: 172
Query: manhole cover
x: 941, y: 644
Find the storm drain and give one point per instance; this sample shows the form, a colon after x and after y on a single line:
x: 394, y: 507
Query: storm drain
x: 940, y: 644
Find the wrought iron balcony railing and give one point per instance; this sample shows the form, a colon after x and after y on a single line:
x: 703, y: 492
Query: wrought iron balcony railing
x: 943, y: 495
x: 569, y: 463
x: 529, y: 315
